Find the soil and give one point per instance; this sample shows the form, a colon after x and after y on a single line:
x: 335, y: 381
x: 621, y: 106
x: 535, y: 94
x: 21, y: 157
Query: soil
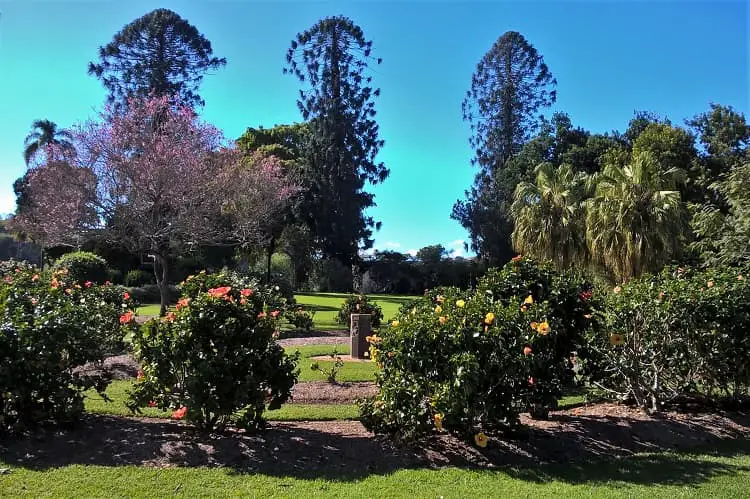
x: 345, y: 450
x: 321, y: 392
x: 343, y: 357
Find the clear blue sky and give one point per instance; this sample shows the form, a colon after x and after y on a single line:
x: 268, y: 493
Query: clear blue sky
x: 610, y: 58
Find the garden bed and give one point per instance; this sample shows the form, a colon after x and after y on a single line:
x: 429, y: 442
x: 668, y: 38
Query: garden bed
x: 337, y: 449
x: 322, y: 392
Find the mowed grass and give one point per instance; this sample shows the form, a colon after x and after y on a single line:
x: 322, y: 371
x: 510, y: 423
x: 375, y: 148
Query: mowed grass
x: 723, y: 473
x: 118, y: 393
x: 325, y: 305
x: 352, y: 372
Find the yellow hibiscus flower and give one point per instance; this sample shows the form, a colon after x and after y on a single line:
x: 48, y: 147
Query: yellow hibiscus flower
x: 438, y: 309
x: 395, y: 323
x: 460, y: 303
x: 543, y: 328
x: 438, y: 421
x: 480, y: 439
x: 489, y: 318
x: 529, y: 300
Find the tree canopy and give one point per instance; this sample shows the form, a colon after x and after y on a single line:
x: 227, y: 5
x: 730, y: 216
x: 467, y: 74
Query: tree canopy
x: 158, y: 54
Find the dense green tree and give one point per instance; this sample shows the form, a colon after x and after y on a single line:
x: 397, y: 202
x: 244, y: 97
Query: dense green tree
x: 157, y: 54
x: 635, y: 220
x: 511, y: 83
x: 287, y: 143
x: 44, y: 133
x: 509, y: 87
x: 332, y: 59
x: 549, y: 218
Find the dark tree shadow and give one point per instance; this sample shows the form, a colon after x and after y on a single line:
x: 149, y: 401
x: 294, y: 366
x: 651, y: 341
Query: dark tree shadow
x: 572, y: 449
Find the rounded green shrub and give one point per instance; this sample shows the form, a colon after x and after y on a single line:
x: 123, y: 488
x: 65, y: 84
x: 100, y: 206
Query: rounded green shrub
x: 83, y: 266
x: 359, y: 304
x: 52, y: 325
x: 215, y: 357
x: 137, y: 277
x: 471, y: 361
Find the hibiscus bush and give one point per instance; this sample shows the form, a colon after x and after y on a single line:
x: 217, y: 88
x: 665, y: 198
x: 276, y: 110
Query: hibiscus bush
x: 52, y: 325
x: 471, y: 361
x: 215, y: 357
x: 359, y: 304
x: 682, y: 333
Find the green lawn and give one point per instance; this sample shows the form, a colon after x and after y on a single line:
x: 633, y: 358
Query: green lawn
x: 325, y: 305
x: 352, y: 371
x: 667, y: 475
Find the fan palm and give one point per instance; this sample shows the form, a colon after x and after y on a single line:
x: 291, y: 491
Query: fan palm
x: 635, y: 218
x: 44, y: 133
x: 549, y: 217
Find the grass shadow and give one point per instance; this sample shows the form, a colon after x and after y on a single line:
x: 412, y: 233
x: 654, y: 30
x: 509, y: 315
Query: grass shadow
x: 570, y: 449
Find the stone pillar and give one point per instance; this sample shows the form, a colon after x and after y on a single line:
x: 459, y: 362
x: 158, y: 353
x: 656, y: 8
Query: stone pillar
x: 360, y: 330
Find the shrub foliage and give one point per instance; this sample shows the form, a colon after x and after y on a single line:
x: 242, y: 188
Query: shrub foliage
x: 84, y: 266
x: 215, y: 357
x: 359, y: 304
x: 681, y: 333
x: 467, y: 362
x: 52, y: 324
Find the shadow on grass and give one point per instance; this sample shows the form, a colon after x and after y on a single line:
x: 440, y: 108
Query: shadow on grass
x: 572, y: 449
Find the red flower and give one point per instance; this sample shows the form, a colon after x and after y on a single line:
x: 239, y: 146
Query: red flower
x: 35, y: 278
x: 246, y: 292
x: 219, y: 292
x: 88, y: 284
x: 527, y: 350
x: 126, y: 296
x: 54, y: 284
x: 69, y: 291
x: 262, y: 315
x: 179, y: 413
x: 585, y: 295
x: 127, y: 317
x: 139, y: 376
x: 243, y: 301
x: 107, y: 283
x: 517, y: 258
x: 182, y: 303
x: 152, y: 404
x: 531, y: 380
x: 275, y: 313
x: 171, y: 316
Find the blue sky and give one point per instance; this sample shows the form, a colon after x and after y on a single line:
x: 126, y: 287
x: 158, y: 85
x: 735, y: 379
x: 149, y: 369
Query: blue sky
x: 610, y: 58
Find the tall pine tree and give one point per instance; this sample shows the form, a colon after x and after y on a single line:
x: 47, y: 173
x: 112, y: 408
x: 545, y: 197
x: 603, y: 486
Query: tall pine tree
x: 332, y: 60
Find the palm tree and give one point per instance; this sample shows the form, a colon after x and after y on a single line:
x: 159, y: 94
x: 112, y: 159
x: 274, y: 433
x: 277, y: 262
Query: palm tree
x: 549, y: 217
x: 44, y: 133
x: 636, y: 218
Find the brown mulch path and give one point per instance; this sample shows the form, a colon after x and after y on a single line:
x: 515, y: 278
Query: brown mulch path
x: 345, y: 450
x: 321, y: 392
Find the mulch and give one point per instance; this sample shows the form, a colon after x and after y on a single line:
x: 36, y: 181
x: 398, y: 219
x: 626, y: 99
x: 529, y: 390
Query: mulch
x: 321, y: 392
x: 345, y: 450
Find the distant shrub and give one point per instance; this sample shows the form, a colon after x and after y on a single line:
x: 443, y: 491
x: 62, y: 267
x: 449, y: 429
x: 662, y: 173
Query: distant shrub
x: 300, y: 318
x: 215, y: 357
x: 51, y: 324
x: 359, y: 304
x: 83, y: 266
x: 149, y: 293
x: 138, y: 277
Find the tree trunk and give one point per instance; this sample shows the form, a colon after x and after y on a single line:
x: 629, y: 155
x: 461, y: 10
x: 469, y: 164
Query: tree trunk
x: 271, y: 249
x: 163, y: 282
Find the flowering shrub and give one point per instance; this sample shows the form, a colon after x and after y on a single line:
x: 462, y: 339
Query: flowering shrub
x: 300, y: 318
x: 359, y: 304
x: 680, y: 333
x: 83, y: 266
x: 467, y: 361
x: 51, y: 325
x: 214, y: 357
